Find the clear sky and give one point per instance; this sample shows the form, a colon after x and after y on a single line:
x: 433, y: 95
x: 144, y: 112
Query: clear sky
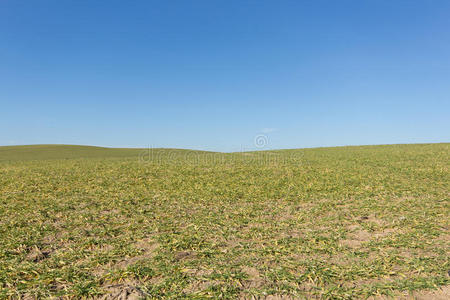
x: 214, y: 74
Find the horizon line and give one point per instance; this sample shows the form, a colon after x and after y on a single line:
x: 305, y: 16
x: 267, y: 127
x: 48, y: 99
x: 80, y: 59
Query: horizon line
x: 255, y: 150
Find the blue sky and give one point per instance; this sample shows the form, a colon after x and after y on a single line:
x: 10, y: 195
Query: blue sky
x: 214, y: 74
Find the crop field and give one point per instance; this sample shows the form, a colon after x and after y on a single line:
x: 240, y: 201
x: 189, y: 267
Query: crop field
x: 332, y: 223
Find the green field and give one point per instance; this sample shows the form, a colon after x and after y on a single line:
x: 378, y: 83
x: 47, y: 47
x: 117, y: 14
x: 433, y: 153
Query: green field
x: 345, y: 222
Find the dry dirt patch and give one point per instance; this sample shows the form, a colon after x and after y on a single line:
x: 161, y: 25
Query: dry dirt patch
x: 357, y: 237
x: 254, y: 278
x: 36, y: 254
x: 124, y: 292
x: 439, y: 294
x: 442, y: 293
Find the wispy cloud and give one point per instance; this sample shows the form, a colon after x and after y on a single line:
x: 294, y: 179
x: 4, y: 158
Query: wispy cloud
x: 268, y: 130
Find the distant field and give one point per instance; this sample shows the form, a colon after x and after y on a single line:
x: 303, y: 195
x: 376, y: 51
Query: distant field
x: 340, y: 223
x: 41, y: 152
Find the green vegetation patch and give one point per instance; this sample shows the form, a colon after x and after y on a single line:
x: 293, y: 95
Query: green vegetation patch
x: 347, y: 222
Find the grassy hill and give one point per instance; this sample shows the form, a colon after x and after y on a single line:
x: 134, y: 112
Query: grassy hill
x: 335, y: 223
x: 43, y: 152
